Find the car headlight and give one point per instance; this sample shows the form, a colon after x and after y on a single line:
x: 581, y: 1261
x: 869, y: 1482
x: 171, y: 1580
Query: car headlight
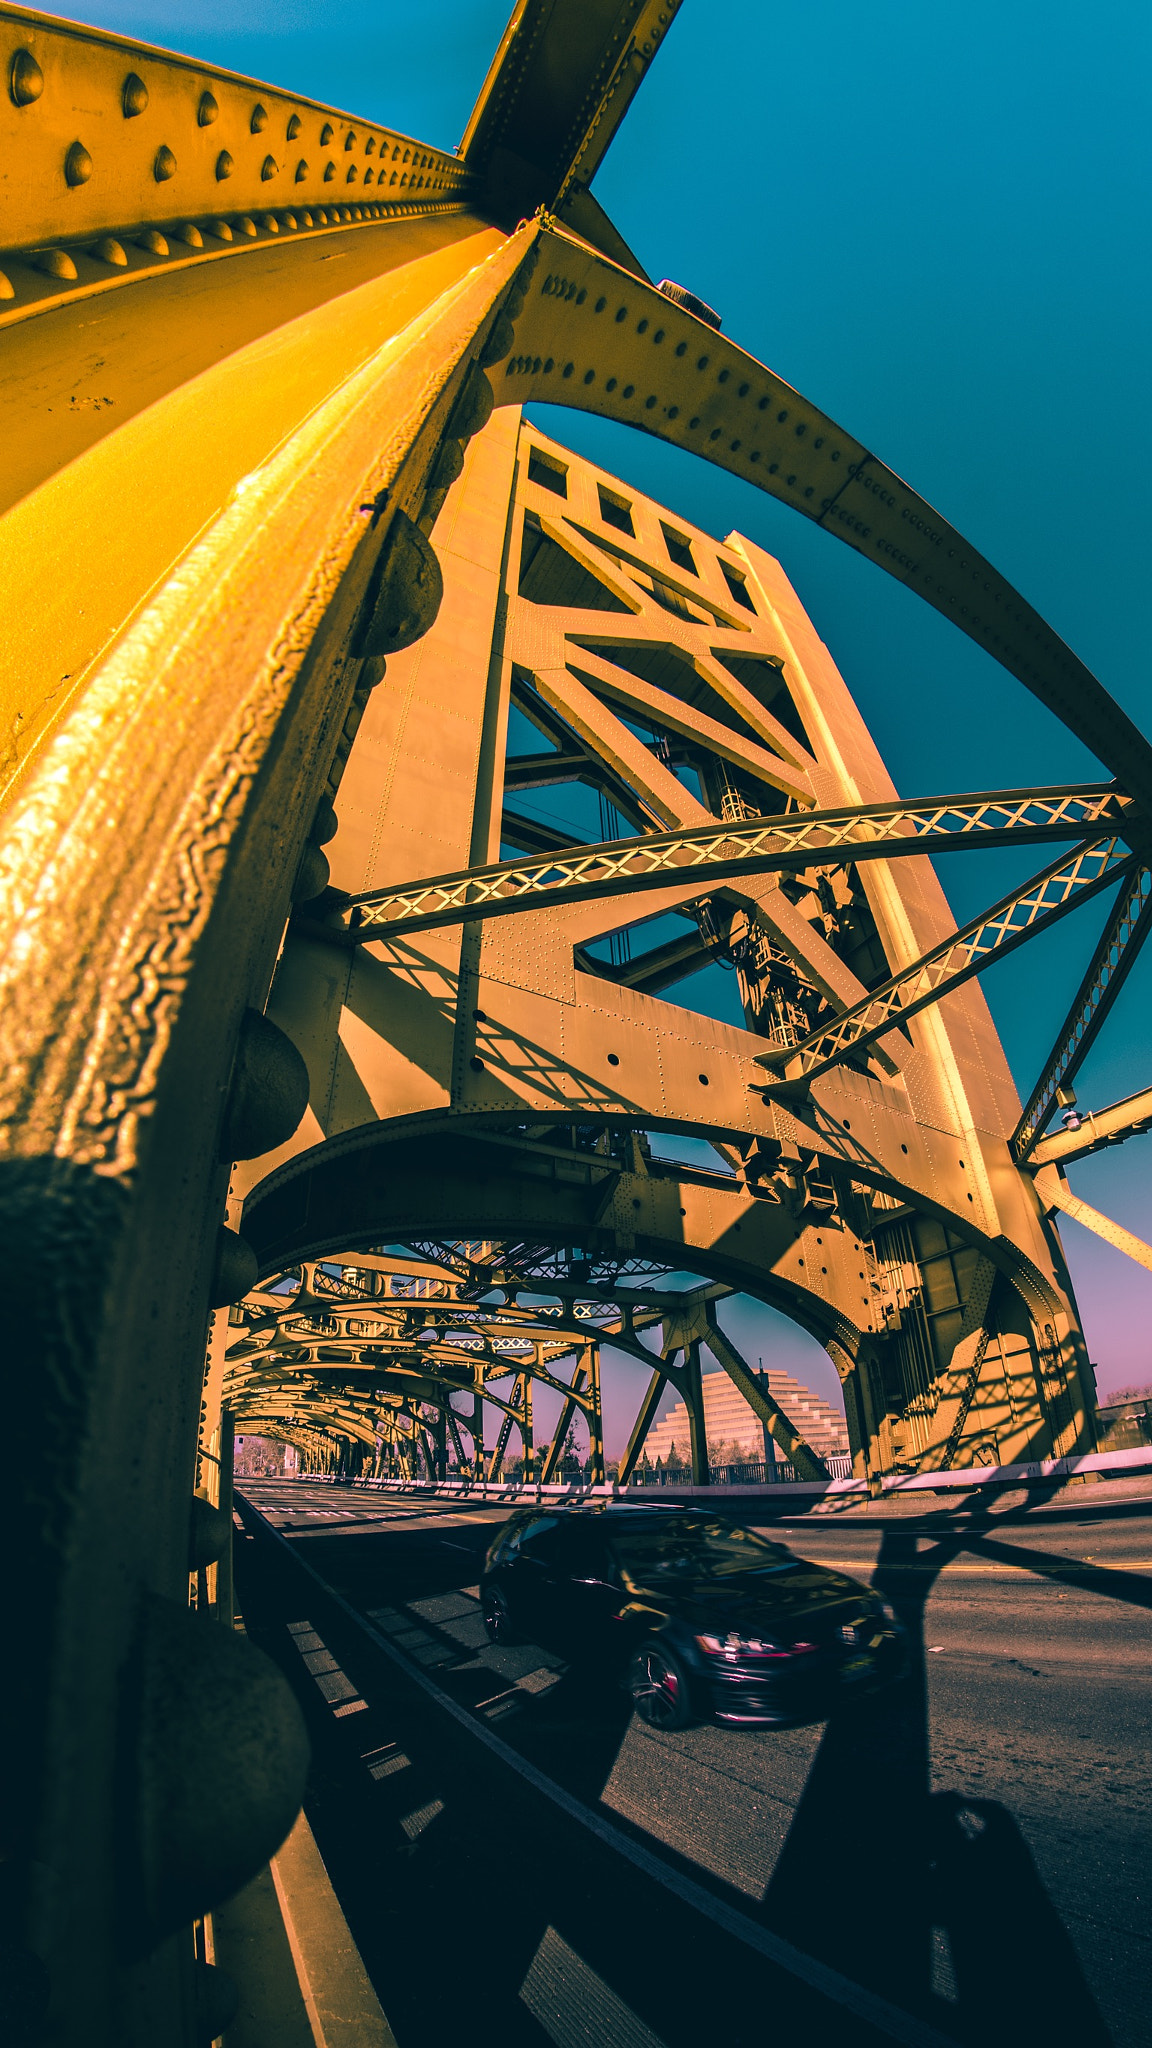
x: 733, y: 1646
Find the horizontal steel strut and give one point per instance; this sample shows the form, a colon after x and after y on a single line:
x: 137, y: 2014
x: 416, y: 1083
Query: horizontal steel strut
x: 998, y: 931
x: 755, y: 846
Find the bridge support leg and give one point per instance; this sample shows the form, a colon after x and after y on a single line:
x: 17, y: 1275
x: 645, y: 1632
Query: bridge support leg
x: 697, y: 1426
x: 478, y: 1425
x: 563, y: 1424
x: 754, y: 1387
x: 642, y: 1425
x: 595, y: 1422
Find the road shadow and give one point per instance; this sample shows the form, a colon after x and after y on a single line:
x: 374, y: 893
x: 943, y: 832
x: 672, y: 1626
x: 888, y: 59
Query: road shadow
x: 932, y: 1899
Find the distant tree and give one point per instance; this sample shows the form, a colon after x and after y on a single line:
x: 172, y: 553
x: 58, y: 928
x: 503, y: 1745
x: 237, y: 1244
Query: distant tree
x: 674, y: 1461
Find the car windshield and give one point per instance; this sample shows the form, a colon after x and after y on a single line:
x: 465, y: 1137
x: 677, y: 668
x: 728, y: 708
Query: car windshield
x: 697, y: 1549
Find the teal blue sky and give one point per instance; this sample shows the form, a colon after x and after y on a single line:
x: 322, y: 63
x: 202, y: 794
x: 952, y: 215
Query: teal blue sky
x: 935, y: 223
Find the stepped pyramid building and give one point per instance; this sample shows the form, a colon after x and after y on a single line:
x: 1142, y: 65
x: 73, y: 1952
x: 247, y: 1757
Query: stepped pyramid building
x: 729, y: 1420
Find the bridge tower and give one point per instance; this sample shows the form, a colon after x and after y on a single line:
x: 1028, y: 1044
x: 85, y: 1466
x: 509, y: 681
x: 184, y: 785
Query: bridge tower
x: 295, y: 982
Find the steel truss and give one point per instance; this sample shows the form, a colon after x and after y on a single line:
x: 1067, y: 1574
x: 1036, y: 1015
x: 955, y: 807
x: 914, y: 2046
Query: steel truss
x: 1115, y: 955
x: 1008, y: 924
x: 785, y: 844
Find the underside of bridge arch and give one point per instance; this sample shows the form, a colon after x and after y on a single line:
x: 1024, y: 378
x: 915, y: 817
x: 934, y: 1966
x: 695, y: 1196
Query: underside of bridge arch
x: 951, y: 1348
x: 375, y: 716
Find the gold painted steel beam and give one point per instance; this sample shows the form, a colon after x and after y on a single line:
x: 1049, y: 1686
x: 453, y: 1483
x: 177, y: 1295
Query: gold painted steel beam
x: 558, y: 87
x: 1017, y: 917
x: 1095, y: 1129
x: 1056, y: 1193
x: 1129, y: 923
x: 596, y: 338
x: 719, y: 852
x: 126, y: 159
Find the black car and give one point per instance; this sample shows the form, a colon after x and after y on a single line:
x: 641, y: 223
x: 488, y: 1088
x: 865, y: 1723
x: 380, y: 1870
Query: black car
x: 709, y: 1621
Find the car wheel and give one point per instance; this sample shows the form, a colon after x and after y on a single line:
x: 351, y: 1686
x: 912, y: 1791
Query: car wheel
x: 658, y: 1684
x: 498, y: 1619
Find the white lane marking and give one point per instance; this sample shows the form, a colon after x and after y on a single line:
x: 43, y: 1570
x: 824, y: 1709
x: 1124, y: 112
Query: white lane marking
x: 414, y: 1824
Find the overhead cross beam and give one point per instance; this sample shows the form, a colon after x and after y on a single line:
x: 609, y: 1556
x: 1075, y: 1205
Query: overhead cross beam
x: 1095, y: 1130
x: 999, y: 931
x: 1120, y: 943
x: 558, y: 87
x: 717, y: 852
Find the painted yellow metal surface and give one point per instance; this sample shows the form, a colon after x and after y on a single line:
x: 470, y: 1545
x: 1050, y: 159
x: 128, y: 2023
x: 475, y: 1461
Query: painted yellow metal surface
x: 195, y: 408
x: 102, y: 137
x: 263, y: 551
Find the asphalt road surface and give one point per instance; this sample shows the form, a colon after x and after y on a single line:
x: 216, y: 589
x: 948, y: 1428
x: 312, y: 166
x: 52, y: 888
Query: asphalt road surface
x: 974, y: 1846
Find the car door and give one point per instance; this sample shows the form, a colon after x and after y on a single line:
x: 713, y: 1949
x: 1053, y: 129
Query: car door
x: 581, y: 1589
x: 524, y: 1571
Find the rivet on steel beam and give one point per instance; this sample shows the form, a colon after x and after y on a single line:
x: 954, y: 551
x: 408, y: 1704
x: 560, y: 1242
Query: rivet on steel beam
x: 221, y: 230
x: 269, y: 223
x: 301, y: 171
x: 224, y: 166
x: 325, y: 824
x: 306, y: 220
x: 235, y: 1271
x: 208, y: 110
x: 247, y: 227
x: 311, y: 876
x: 55, y: 263
x: 448, y: 466
x: 25, y: 79
x: 133, y: 96
x: 473, y: 408
x: 350, y: 139
x: 109, y: 250
x: 259, y: 120
x: 7, y: 288
x: 269, y: 168
x: 208, y: 1532
x: 329, y: 172
x: 498, y: 344
x: 404, y: 595
x: 294, y: 126
x: 190, y: 233
x: 326, y: 134
x: 268, y: 1091
x: 153, y: 241
x: 77, y: 164
x: 165, y: 164
x: 218, y: 1753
